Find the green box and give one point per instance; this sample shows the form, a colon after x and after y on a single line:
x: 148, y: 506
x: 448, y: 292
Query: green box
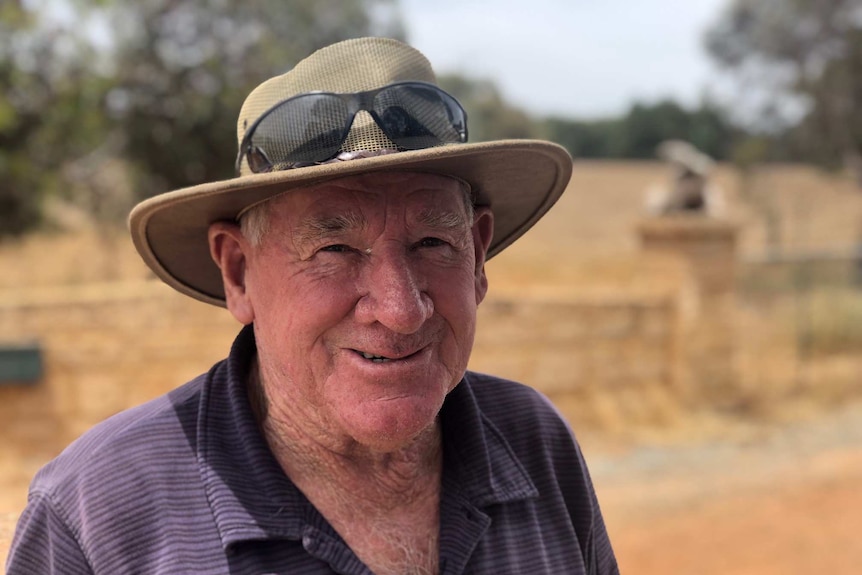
x: 20, y: 364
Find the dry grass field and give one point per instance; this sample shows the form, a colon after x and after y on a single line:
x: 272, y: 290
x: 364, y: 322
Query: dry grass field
x: 767, y: 485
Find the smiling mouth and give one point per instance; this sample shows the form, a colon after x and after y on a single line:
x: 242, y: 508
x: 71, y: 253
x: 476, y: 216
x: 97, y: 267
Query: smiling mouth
x: 381, y: 358
x: 375, y: 358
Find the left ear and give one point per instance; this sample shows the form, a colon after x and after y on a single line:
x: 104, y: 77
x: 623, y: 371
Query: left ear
x: 483, y: 231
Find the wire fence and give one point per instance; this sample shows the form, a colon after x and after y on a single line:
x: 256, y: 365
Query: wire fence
x: 816, y: 298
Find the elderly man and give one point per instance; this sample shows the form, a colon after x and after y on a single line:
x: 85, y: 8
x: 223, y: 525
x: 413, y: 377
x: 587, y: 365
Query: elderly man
x: 343, y: 434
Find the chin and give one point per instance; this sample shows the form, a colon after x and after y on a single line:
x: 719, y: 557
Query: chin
x: 395, y: 425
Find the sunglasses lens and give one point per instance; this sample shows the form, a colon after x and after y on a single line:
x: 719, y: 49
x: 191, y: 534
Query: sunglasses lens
x: 308, y: 128
x: 416, y: 116
x: 311, y: 128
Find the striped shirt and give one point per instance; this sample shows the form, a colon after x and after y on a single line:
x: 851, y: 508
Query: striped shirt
x: 187, y: 484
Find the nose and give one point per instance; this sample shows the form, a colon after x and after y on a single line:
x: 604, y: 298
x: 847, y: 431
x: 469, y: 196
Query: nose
x: 393, y: 293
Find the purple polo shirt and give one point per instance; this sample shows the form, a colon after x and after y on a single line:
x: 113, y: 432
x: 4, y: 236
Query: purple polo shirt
x: 187, y: 484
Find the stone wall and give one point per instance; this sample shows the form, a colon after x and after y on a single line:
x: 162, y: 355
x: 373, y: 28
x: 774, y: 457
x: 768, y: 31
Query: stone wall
x: 604, y: 361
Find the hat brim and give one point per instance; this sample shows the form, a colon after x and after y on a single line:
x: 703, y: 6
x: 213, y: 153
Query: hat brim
x: 519, y: 179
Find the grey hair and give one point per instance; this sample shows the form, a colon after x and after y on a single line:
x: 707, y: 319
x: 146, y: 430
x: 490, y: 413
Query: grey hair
x: 469, y: 200
x: 254, y: 222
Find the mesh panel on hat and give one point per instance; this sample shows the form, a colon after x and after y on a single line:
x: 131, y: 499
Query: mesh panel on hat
x: 365, y: 134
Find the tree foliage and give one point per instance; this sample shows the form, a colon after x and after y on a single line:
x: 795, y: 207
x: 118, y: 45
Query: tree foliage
x: 153, y: 84
x: 633, y: 135
x: 586, y: 139
x: 806, y: 49
x: 637, y: 133
x: 183, y: 68
x: 47, y: 111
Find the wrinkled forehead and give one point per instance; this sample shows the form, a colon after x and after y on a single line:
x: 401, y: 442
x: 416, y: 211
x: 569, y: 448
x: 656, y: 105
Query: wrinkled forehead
x: 378, y: 191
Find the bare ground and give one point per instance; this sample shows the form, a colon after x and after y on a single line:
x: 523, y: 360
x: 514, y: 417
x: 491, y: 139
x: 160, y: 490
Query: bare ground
x: 771, y: 500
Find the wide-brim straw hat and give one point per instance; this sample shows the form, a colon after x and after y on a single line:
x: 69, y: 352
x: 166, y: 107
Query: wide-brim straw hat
x: 519, y: 179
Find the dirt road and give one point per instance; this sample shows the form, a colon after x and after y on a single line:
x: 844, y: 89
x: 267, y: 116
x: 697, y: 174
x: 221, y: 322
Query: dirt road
x: 784, y: 501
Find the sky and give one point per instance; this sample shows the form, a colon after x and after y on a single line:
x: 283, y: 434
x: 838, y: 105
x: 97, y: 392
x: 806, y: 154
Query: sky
x: 574, y: 58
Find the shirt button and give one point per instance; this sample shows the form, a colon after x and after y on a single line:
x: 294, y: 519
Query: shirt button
x: 307, y: 542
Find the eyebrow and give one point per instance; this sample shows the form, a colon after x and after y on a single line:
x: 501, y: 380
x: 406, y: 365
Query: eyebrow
x: 315, y: 228
x: 445, y: 220
x: 318, y: 227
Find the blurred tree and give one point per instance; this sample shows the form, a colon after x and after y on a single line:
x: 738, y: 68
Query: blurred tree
x: 48, y: 111
x: 92, y: 88
x: 642, y: 129
x: 712, y: 131
x: 646, y: 126
x: 810, y: 50
x: 183, y: 68
x: 585, y: 139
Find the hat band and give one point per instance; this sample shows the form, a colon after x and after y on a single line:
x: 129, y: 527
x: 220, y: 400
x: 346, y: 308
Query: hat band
x: 310, y: 128
x: 358, y: 155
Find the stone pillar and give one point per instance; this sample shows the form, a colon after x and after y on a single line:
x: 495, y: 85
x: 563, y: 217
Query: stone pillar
x: 707, y: 248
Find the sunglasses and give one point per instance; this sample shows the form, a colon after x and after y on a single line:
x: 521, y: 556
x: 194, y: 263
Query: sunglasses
x: 310, y: 128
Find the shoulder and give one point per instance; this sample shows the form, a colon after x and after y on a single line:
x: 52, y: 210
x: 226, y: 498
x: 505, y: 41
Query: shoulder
x: 85, y: 493
x: 545, y: 446
x: 515, y: 406
x: 113, y: 451
x: 527, y: 421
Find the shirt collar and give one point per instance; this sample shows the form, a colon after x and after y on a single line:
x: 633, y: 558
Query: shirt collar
x: 252, y: 498
x: 477, y: 457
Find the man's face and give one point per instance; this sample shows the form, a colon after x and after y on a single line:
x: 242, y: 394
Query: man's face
x: 363, y: 293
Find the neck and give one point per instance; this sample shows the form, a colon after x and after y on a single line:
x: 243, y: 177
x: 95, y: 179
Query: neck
x: 385, y: 505
x: 374, y: 480
x: 314, y: 459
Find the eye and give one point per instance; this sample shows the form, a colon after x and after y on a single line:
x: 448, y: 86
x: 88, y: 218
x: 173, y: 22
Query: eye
x: 337, y: 248
x: 430, y: 242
